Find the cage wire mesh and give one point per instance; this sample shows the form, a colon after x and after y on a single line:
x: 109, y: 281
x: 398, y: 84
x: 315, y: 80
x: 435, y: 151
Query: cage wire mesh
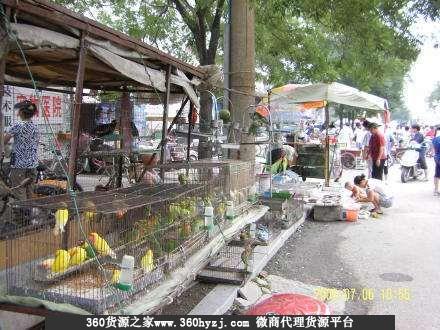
x: 238, y: 178
x: 283, y: 213
x: 55, y: 256
x: 234, y: 262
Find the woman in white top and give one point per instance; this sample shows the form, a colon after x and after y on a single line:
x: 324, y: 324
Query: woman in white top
x: 376, y: 192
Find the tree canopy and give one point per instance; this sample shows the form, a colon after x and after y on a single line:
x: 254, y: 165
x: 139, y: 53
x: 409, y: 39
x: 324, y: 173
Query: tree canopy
x: 433, y: 99
x: 366, y: 44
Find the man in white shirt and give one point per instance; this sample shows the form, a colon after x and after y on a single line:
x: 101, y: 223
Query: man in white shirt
x: 346, y: 135
x: 359, y: 134
x: 365, y: 147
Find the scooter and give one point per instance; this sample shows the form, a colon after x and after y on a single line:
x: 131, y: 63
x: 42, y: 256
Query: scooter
x: 410, y: 167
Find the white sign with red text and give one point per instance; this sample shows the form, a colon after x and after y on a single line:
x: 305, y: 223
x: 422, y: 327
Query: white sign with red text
x: 52, y: 105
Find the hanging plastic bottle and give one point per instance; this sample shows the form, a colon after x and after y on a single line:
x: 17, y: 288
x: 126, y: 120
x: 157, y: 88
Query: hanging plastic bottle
x: 126, y: 279
x: 253, y: 230
x: 209, y: 217
x: 230, y: 210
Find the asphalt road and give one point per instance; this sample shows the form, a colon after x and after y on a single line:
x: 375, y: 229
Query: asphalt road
x: 390, y: 265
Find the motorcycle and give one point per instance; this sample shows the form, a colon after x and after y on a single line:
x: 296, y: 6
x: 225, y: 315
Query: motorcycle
x: 410, y: 167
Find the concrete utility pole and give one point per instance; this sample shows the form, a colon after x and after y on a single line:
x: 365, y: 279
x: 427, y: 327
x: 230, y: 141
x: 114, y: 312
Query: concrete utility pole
x: 242, y: 69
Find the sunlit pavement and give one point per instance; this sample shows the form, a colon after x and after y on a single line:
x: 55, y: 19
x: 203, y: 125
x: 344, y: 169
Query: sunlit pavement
x: 391, y: 265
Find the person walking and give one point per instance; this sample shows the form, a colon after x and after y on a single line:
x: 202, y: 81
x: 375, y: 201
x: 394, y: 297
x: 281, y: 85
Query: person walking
x: 365, y: 147
x: 389, y: 143
x: 376, y: 151
x: 359, y: 134
x: 346, y: 135
x: 420, y: 139
x: 436, y: 146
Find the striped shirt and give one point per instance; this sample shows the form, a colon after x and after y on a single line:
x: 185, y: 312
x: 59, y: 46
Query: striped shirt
x: 25, y: 146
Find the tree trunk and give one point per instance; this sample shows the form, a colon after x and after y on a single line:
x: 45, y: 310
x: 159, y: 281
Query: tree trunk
x: 242, y: 66
x: 205, y: 145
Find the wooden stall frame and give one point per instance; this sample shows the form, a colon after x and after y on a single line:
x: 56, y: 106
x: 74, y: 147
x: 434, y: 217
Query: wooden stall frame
x: 77, y: 111
x: 66, y: 19
x: 165, y: 115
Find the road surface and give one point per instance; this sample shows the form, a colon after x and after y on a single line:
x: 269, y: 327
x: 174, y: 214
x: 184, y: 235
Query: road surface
x: 390, y: 265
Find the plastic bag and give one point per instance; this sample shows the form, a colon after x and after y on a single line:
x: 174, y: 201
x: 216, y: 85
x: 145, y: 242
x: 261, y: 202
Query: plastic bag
x: 289, y: 304
x: 286, y: 177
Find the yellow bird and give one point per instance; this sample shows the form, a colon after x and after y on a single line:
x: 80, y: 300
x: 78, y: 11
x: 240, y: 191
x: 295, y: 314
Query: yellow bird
x: 78, y: 257
x: 89, y: 215
x: 100, y: 245
x: 73, y: 250
x: 61, y: 217
x: 61, y: 262
x: 147, y: 262
x: 116, y: 276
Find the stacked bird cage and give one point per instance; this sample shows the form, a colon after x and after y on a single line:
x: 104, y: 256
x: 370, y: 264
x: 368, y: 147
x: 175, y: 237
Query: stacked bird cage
x: 237, y: 182
x: 283, y: 212
x: 70, y: 250
x: 234, y: 262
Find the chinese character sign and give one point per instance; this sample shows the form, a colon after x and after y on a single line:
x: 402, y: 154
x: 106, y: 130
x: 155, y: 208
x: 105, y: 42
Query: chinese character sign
x: 51, y: 106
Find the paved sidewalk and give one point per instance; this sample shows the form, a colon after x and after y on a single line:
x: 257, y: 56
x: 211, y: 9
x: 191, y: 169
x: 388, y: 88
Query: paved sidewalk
x: 391, y: 264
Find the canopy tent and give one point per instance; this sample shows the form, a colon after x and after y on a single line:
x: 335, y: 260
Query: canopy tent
x: 293, y: 97
x: 108, y: 65
x: 63, y: 49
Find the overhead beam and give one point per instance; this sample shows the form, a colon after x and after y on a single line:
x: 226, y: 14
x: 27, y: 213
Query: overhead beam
x: 94, y: 87
x: 64, y: 91
x: 43, y: 63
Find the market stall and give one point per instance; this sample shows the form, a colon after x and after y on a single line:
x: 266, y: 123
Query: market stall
x: 74, y: 248
x: 49, y: 47
x: 317, y: 96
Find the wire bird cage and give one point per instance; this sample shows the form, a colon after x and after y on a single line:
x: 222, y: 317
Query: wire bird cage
x: 239, y: 177
x: 57, y: 256
x: 283, y: 212
x: 234, y: 262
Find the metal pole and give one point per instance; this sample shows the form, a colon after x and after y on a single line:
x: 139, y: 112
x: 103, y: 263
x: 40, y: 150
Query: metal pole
x: 190, y: 127
x: 242, y: 69
x: 77, y: 110
x: 165, y: 114
x: 269, y: 92
x: 2, y: 92
x: 227, y: 57
x: 126, y: 119
x: 127, y: 138
x: 327, y: 148
x: 2, y: 85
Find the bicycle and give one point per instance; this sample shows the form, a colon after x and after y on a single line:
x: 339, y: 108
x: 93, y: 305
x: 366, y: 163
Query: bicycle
x: 51, y: 174
x: 57, y: 166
